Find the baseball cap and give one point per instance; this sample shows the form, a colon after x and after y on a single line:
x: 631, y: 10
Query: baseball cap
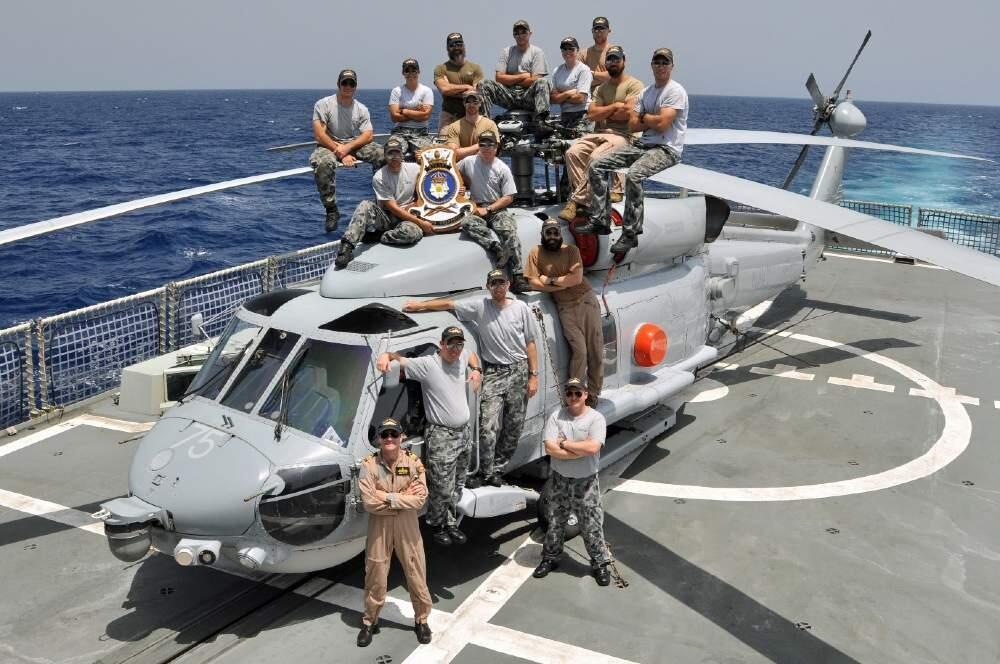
x: 454, y: 37
x: 394, y: 144
x: 551, y: 222
x: 488, y: 136
x: 522, y: 24
x: 614, y: 52
x: 664, y: 53
x: 410, y: 62
x: 496, y: 274
x: 569, y: 42
x: 346, y: 74
x: 389, y: 424
x: 601, y: 22
x: 453, y: 332
x: 574, y: 383
x: 471, y: 93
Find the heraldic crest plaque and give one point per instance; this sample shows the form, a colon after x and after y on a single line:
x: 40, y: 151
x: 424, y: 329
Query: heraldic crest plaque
x: 441, y: 196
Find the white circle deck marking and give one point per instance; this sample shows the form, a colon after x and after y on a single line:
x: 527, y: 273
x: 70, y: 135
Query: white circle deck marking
x: 954, y: 439
x: 711, y: 393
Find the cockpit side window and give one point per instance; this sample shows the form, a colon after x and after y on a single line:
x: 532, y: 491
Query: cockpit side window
x: 259, y: 369
x: 404, y: 402
x: 322, y: 391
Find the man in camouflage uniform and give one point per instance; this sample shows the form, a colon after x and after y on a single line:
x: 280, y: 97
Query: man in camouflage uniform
x: 520, y: 80
x: 443, y: 377
x: 393, y: 489
x: 507, y: 343
x: 395, y: 186
x: 573, y: 438
x: 342, y: 126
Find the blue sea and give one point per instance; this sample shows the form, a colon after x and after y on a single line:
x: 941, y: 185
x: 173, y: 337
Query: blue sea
x: 68, y: 152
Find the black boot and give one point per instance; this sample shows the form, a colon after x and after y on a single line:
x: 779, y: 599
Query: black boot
x: 628, y: 240
x: 519, y: 284
x: 602, y: 574
x: 344, y: 255
x: 332, y: 219
x: 544, y: 567
x: 423, y: 631
x: 592, y: 227
x: 365, y: 635
x: 456, y: 535
x: 441, y: 537
x: 493, y: 480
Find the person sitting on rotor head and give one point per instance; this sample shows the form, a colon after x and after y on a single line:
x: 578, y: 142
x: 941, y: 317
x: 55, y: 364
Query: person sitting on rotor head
x: 609, y: 110
x: 573, y: 438
x: 410, y: 107
x: 462, y: 135
x: 453, y: 79
x: 510, y: 359
x: 444, y: 376
x: 395, y: 186
x: 661, y: 115
x: 393, y: 489
x: 491, y: 225
x: 342, y: 126
x: 556, y: 268
x: 571, y: 86
x: 520, y: 81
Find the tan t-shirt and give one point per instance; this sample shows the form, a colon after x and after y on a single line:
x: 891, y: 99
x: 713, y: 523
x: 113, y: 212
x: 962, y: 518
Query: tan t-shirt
x: 608, y: 93
x: 593, y: 57
x: 554, y: 264
x: 469, y: 73
x: 463, y: 134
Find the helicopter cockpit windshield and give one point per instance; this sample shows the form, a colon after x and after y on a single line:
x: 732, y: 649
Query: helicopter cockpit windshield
x: 233, y: 343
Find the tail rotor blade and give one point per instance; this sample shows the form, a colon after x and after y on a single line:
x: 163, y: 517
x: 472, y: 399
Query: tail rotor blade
x: 857, y: 55
x: 814, y: 92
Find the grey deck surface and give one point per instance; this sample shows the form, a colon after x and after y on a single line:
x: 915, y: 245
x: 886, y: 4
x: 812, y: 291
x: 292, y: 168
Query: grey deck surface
x: 909, y: 573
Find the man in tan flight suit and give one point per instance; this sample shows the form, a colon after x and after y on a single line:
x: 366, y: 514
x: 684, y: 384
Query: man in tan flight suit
x: 393, y: 489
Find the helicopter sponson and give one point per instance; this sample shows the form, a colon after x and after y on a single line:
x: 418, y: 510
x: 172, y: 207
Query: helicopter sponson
x: 257, y: 467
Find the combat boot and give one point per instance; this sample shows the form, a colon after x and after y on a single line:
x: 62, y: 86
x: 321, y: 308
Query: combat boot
x: 628, y: 240
x: 519, y: 284
x: 544, y: 567
x: 601, y: 574
x: 568, y: 212
x: 592, y: 226
x: 344, y: 255
x: 441, y: 536
x: 332, y: 219
x: 423, y: 631
x: 493, y: 480
x: 365, y: 635
x: 456, y: 535
x: 616, y: 197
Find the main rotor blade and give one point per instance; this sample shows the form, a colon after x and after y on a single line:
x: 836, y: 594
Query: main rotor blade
x: 801, y: 159
x: 834, y: 218
x: 709, y: 136
x: 816, y: 95
x: 51, y: 225
x: 291, y: 146
x: 836, y: 92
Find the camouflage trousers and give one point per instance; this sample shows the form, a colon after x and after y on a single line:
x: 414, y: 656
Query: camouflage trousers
x: 448, y: 453
x: 497, y: 234
x: 370, y: 217
x: 502, y: 405
x: 416, y: 139
x: 534, y: 98
x: 580, y: 496
x: 325, y: 164
x: 641, y: 162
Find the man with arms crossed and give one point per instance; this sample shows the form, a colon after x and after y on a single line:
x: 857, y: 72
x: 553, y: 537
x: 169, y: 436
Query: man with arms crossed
x: 520, y: 81
x: 462, y: 135
x: 453, y: 79
x: 410, y: 107
x: 574, y: 436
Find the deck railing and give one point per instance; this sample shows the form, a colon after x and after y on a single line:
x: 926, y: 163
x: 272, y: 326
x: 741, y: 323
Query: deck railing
x: 54, y: 362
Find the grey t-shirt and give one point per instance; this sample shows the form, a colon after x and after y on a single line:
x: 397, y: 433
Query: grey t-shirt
x: 487, y: 182
x: 404, y: 97
x: 652, y: 99
x: 578, y: 78
x: 445, y: 399
x: 342, y: 122
x: 400, y: 186
x: 513, y: 60
x: 591, y: 425
x: 503, y: 333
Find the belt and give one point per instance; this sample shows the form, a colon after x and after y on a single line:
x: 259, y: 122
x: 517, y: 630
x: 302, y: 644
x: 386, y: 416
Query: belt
x: 421, y: 131
x: 502, y: 367
x: 445, y: 426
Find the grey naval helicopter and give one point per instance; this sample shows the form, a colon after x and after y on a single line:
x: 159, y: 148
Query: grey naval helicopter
x: 256, y: 468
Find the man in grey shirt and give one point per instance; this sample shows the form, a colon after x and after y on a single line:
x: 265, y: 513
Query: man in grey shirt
x: 520, y: 79
x: 510, y: 358
x: 443, y: 377
x: 574, y: 436
x: 343, y: 129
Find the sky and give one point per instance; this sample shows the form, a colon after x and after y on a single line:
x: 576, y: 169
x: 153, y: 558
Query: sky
x: 921, y: 51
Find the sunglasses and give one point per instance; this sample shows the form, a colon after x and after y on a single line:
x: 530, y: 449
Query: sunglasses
x: 662, y: 63
x: 472, y: 100
x: 498, y: 282
x: 411, y: 70
x: 455, y: 345
x: 567, y: 48
x: 573, y: 394
x: 456, y: 43
x: 488, y: 145
x: 598, y: 29
x: 520, y: 31
x: 349, y: 83
x: 552, y: 232
x: 613, y: 58
x: 388, y: 434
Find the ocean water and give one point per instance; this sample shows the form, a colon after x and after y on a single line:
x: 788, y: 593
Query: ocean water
x: 69, y: 152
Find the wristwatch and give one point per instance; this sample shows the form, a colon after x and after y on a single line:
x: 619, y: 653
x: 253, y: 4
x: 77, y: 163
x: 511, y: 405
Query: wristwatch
x: 533, y: 373
x: 561, y: 446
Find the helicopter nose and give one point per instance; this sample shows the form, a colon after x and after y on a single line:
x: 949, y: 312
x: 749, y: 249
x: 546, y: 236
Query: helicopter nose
x: 201, y: 475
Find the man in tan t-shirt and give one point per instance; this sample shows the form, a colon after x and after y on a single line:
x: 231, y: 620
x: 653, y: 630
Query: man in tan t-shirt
x: 453, y: 79
x: 462, y: 135
x: 609, y: 110
x: 556, y: 268
x: 593, y: 56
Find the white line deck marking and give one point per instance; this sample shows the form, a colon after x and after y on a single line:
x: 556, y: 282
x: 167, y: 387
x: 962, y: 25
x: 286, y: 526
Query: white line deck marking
x: 996, y: 404
x: 862, y: 381
x: 80, y: 420
x: 51, y: 511
x: 782, y: 371
x: 954, y: 439
x: 951, y: 392
x: 874, y: 259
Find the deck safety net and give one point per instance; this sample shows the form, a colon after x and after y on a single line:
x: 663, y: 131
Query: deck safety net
x: 14, y: 375
x: 978, y: 231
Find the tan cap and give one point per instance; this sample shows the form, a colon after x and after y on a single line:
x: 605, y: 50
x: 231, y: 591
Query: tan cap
x: 664, y: 53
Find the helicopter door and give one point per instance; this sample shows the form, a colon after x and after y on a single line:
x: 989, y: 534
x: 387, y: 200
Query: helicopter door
x: 404, y: 402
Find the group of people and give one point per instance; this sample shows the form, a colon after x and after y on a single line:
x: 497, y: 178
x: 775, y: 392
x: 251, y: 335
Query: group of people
x: 395, y: 485
x: 628, y: 126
